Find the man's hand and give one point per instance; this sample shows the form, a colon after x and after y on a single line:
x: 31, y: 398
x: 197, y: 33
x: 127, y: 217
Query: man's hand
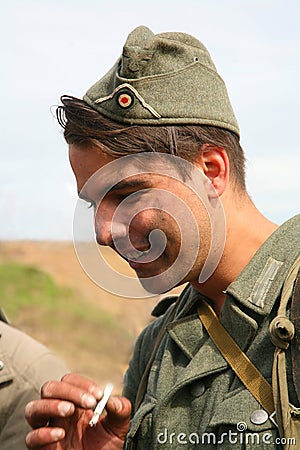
x: 60, y: 420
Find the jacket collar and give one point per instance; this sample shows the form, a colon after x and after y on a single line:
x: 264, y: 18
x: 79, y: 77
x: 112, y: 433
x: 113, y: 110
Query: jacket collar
x: 191, y: 338
x: 260, y: 283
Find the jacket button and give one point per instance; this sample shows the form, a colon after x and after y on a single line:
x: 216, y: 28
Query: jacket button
x: 197, y: 389
x: 1, y: 365
x: 259, y: 417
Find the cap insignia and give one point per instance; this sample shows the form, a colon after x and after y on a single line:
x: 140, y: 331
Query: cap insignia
x: 126, y: 97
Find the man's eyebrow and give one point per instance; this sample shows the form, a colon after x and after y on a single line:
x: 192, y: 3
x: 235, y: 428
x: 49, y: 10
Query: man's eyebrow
x: 128, y: 184
x: 125, y: 184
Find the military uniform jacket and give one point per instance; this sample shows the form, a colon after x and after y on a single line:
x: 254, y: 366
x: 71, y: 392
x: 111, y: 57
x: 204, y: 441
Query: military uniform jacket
x: 193, y: 398
x: 25, y: 365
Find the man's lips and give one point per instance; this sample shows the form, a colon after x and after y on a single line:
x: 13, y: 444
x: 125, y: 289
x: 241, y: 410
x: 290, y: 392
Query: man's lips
x: 137, y: 257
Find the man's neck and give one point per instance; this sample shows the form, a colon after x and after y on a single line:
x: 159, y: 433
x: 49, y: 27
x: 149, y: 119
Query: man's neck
x: 247, y: 230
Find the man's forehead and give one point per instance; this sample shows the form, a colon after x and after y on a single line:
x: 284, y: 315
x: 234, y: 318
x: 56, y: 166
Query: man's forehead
x: 136, y: 171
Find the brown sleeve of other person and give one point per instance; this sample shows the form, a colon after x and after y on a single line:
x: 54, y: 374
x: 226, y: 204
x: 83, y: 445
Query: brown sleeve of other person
x: 25, y: 365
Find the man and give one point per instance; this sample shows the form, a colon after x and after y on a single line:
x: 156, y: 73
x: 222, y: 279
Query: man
x: 25, y: 365
x: 164, y: 97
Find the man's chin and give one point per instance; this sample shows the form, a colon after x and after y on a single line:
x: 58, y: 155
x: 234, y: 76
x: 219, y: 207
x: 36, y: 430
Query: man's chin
x: 158, y: 284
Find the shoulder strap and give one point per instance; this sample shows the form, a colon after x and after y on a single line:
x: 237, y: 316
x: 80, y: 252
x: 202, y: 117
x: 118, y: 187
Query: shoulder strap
x: 295, y: 346
x: 281, y: 333
x: 236, y: 358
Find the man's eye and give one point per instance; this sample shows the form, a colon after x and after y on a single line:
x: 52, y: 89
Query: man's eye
x: 122, y: 196
x: 117, y: 196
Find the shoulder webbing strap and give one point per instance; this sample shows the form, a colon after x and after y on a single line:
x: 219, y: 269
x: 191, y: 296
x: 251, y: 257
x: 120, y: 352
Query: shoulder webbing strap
x: 281, y: 334
x: 236, y: 358
x: 295, y: 318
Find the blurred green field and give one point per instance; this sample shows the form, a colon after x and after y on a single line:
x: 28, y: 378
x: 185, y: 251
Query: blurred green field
x: 24, y: 287
x: 88, y: 338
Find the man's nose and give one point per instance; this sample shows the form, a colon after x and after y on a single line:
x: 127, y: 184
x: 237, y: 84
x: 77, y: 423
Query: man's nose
x: 107, y: 229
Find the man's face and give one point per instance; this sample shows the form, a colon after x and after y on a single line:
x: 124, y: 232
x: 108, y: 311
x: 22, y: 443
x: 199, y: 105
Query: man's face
x: 151, y: 218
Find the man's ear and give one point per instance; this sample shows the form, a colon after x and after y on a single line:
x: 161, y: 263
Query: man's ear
x: 214, y: 163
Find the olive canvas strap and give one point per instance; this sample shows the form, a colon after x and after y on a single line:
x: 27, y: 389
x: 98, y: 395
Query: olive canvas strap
x: 295, y: 346
x: 236, y: 358
x: 282, y: 332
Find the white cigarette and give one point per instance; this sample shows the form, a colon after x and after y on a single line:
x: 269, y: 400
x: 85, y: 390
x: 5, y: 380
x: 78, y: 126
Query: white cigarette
x: 101, y: 405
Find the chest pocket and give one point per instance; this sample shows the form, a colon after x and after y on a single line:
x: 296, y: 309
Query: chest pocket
x: 241, y: 423
x: 141, y: 426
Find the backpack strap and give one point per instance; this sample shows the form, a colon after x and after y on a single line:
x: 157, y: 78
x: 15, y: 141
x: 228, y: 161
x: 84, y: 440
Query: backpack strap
x: 295, y: 345
x: 281, y: 334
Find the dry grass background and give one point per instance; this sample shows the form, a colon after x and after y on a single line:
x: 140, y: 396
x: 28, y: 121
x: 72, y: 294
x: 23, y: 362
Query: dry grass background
x: 98, y: 339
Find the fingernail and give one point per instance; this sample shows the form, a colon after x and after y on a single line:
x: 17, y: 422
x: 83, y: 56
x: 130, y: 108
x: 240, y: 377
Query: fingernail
x: 118, y: 404
x: 28, y: 409
x: 97, y: 392
x: 64, y: 408
x: 57, y: 434
x: 88, y: 401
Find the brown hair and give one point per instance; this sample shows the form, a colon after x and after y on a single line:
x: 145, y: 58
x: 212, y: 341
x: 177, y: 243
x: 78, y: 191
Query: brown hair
x: 83, y: 125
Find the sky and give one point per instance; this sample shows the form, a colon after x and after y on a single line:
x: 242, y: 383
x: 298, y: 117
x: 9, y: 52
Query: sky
x: 53, y: 47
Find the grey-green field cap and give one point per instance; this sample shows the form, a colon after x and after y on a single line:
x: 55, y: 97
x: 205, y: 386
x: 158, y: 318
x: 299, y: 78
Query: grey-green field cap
x: 166, y: 78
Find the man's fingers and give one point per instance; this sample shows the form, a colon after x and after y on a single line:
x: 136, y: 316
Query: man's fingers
x: 39, y: 412
x: 118, y: 416
x: 66, y: 391
x: 118, y: 408
x: 37, y: 439
x: 83, y: 383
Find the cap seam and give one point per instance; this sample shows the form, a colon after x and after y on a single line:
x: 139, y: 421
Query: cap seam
x: 169, y: 74
x: 182, y: 43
